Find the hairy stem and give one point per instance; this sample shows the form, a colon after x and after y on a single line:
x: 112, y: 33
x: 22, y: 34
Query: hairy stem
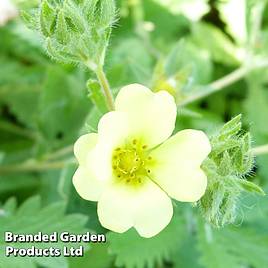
x: 34, y: 166
x: 59, y: 153
x: 260, y: 150
x: 106, y: 88
x: 223, y: 82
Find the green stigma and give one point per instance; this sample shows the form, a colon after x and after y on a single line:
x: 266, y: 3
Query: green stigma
x: 130, y: 163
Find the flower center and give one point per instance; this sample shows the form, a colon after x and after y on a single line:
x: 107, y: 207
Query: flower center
x: 130, y: 161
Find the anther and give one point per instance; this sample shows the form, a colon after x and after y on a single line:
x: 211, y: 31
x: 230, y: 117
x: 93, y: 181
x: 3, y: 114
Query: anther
x: 149, y: 158
x: 144, y: 146
x: 118, y: 149
x: 134, y: 141
x: 149, y: 171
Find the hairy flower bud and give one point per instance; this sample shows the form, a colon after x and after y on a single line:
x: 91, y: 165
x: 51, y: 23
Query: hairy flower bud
x: 226, y: 167
x: 78, y: 30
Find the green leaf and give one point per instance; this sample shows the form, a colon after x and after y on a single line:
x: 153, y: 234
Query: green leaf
x: 106, y: 13
x: 63, y: 99
x: 30, y: 218
x: 232, y: 247
x: 231, y: 128
x: 249, y: 186
x: 220, y: 47
x: 61, y: 32
x: 129, y: 63
x: 47, y: 18
x: 96, y: 257
x: 134, y: 251
x: 187, y: 255
x: 19, y: 184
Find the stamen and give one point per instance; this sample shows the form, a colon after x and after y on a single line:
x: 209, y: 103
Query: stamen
x: 129, y: 162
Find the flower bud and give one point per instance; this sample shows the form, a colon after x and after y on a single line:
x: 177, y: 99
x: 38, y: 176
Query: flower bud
x: 78, y: 30
x: 228, y: 163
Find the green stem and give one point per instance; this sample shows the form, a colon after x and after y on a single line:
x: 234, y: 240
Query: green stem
x: 34, y: 166
x: 223, y: 82
x: 260, y: 150
x: 59, y: 153
x: 106, y: 88
x: 12, y: 128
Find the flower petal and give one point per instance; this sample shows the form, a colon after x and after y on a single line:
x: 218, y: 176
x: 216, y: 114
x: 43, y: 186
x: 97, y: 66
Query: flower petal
x: 176, y: 165
x: 112, y: 132
x: 83, y: 146
x: 87, y: 186
x: 115, y: 208
x: 154, y: 211
x: 151, y: 114
x: 147, y: 208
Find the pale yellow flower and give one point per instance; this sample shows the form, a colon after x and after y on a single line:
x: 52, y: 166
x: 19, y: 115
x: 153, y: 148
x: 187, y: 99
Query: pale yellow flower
x: 132, y: 167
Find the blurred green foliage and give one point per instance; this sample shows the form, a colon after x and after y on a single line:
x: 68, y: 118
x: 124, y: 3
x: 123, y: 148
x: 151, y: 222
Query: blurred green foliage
x: 44, y: 107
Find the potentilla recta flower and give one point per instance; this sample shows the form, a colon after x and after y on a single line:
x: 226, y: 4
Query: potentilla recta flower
x: 132, y: 167
x: 7, y: 11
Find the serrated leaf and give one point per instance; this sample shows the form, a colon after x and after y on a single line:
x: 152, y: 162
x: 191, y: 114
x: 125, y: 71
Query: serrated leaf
x: 134, y: 251
x: 30, y: 19
x: 61, y: 31
x: 47, y: 18
x: 232, y: 247
x: 31, y: 218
